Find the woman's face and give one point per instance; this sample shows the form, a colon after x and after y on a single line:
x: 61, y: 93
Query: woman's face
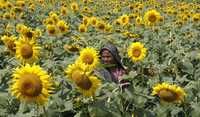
x: 107, y: 57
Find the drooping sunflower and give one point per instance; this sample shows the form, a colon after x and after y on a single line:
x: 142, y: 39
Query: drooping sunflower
x: 89, y: 57
x: 137, y: 51
x: 27, y: 51
x: 151, y: 17
x: 88, y: 85
x: 169, y: 93
x: 71, y: 48
x: 9, y: 42
x: 31, y: 84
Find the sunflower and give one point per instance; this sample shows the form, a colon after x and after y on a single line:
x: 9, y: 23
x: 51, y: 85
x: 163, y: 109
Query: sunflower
x: 48, y: 21
x: 20, y: 4
x: 26, y: 50
x: 124, y: 19
x: 89, y: 57
x: 9, y: 42
x: 108, y: 28
x: 86, y: 10
x: 25, y: 31
x: 74, y: 6
x: 63, y: 11
x: 88, y: 85
x: 82, y: 28
x: 169, y: 93
x: 151, y: 17
x: 52, y: 29
x: 196, y: 17
x: 76, y: 71
x: 28, y: 33
x: 101, y: 25
x: 31, y: 84
x: 71, y: 48
x: 93, y: 21
x: 137, y: 51
x: 54, y: 16
x: 62, y: 26
x: 138, y: 21
x: 86, y: 21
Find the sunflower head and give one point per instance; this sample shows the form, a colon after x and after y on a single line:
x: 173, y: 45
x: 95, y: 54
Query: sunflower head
x: 9, y: 42
x: 76, y: 71
x: 82, y: 28
x: 71, y: 48
x: 93, y: 21
x: 169, y: 93
x: 86, y: 21
x: 124, y: 19
x: 74, y: 6
x: 89, y: 57
x: 137, y: 51
x: 88, y: 85
x: 151, y: 17
x: 101, y: 25
x: 138, y: 21
x: 52, y: 30
x: 63, y: 11
x: 62, y: 26
x: 26, y: 50
x: 31, y: 84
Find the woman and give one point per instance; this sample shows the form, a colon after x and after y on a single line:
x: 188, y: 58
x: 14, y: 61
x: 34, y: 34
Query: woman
x: 112, y: 70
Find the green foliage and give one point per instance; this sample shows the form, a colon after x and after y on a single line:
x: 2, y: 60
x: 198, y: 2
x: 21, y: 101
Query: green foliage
x: 172, y: 57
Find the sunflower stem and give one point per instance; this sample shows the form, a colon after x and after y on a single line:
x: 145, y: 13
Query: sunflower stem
x: 45, y: 112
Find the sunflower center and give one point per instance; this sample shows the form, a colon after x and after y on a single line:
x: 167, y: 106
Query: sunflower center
x: 29, y: 34
x: 152, y: 18
x: 30, y: 85
x: 101, y: 26
x: 167, y: 95
x: 84, y: 83
x: 26, y: 51
x: 82, y: 29
x: 62, y: 28
x: 88, y: 59
x: 136, y: 52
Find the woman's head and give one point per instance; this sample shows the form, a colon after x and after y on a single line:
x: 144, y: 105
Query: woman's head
x: 110, y: 55
x: 107, y: 57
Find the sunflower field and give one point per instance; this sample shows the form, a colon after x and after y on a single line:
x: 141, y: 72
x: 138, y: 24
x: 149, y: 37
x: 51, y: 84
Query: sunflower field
x: 49, y: 50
